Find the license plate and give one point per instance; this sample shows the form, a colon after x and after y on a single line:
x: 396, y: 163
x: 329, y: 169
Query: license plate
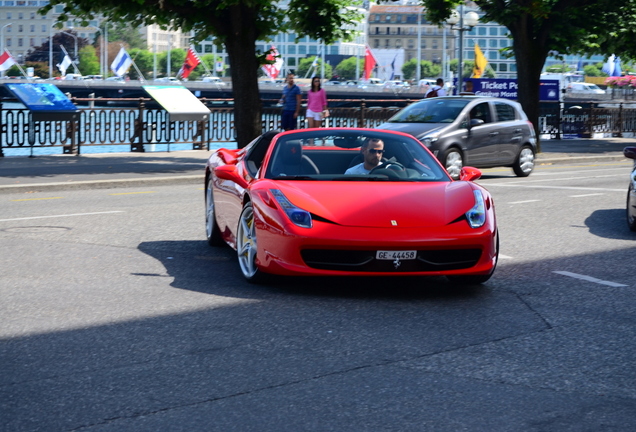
x: 391, y: 255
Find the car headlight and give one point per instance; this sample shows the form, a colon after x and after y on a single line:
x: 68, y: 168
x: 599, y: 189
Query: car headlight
x: 429, y: 140
x: 298, y: 216
x: 476, y: 216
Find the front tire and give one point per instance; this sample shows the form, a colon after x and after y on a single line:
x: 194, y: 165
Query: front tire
x: 212, y: 231
x: 631, y: 211
x: 524, y: 164
x: 453, y: 161
x: 247, y: 246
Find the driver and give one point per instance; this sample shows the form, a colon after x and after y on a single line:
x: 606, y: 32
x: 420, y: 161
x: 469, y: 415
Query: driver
x: 372, y: 151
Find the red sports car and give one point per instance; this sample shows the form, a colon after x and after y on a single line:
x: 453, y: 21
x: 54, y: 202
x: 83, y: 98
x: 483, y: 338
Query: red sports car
x: 346, y: 201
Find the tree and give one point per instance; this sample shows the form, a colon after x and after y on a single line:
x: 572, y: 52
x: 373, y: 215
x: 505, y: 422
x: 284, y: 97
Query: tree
x: 41, y: 53
x: 89, y: 63
x: 238, y: 25
x: 122, y: 32
x: 427, y: 69
x: 347, y: 68
x: 541, y: 27
x: 305, y: 66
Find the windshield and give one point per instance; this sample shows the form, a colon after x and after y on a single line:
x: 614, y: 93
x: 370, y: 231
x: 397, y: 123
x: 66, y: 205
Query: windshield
x: 352, y: 155
x: 434, y: 110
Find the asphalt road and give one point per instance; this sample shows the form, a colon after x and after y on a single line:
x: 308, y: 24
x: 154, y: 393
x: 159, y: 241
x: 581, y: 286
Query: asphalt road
x: 117, y: 316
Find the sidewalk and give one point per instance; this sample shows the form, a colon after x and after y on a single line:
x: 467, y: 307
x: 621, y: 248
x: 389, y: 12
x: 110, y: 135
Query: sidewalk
x: 63, y: 172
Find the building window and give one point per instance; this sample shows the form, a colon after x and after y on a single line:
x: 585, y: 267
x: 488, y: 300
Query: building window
x: 8, y: 42
x: 32, y: 42
x: 20, y: 15
x: 398, y: 43
x: 503, y: 67
x: 32, y: 15
x: 377, y: 30
x: 493, y: 31
x: 434, y: 43
x: 19, y: 42
x: 376, y: 43
x: 32, y: 28
x: 43, y: 28
x: 411, y: 43
x: 20, y: 28
x: 387, y: 18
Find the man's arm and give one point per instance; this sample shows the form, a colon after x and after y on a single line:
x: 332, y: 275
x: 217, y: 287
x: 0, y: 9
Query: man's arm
x: 299, y: 100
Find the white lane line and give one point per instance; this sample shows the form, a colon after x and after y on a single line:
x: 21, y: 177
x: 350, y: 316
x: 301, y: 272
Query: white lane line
x: 56, y: 216
x: 502, y: 256
x: 531, y: 186
x: 590, y: 279
x: 586, y: 195
x: 523, y: 202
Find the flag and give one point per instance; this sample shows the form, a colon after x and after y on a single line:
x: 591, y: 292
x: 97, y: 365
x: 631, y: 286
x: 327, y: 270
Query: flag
x: 617, y: 67
x: 369, y: 63
x: 393, y: 67
x: 480, y: 63
x: 191, y: 61
x: 66, y: 62
x: 608, y: 67
x: 122, y: 63
x: 6, y: 61
x: 273, y: 69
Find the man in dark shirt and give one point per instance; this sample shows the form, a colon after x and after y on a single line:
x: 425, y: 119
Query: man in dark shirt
x: 291, y: 101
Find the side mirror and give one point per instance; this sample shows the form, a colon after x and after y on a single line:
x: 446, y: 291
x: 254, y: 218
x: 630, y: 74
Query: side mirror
x: 630, y: 152
x: 469, y: 174
x: 476, y: 122
x: 230, y: 172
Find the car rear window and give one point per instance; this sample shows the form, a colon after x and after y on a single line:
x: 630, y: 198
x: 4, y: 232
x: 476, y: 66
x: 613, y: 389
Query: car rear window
x: 505, y: 112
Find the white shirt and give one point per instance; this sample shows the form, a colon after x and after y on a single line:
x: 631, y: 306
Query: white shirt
x: 440, y: 90
x: 359, y: 169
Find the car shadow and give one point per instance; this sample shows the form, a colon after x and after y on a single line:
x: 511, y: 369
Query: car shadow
x: 609, y: 223
x: 193, y: 263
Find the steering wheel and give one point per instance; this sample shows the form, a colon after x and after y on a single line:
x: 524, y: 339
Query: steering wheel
x: 393, y: 166
x: 393, y: 170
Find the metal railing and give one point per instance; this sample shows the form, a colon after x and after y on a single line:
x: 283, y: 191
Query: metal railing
x: 139, y: 124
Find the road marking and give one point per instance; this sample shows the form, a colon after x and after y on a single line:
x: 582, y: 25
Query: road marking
x: 530, y: 186
x: 36, y: 199
x: 523, y: 202
x: 586, y: 195
x: 502, y: 256
x: 132, y: 193
x: 590, y: 279
x: 66, y: 215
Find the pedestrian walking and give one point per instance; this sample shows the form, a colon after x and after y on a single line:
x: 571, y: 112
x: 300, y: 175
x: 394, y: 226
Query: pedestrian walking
x: 290, y: 100
x: 436, y: 90
x: 316, y: 104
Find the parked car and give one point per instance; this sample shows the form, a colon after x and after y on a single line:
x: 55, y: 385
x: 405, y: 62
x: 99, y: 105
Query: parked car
x: 285, y: 204
x: 584, y: 89
x: 478, y: 131
x: 630, y: 152
x: 214, y: 80
x: 168, y: 79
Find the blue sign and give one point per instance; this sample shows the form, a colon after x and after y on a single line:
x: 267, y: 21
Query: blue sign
x: 508, y: 88
x: 42, y: 97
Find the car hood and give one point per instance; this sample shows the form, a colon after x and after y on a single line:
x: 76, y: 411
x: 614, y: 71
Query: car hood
x: 418, y: 130
x: 382, y: 204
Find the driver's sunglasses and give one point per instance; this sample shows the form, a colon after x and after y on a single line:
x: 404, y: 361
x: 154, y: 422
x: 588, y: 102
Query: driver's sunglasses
x: 373, y: 151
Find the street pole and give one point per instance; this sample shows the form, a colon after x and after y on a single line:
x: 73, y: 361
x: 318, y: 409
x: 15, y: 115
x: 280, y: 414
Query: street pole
x: 418, y: 68
x: 2, y: 43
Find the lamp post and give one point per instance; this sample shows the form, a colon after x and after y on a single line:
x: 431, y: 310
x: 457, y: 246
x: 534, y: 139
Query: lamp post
x: 2, y: 37
x: 418, y: 69
x: 462, y: 23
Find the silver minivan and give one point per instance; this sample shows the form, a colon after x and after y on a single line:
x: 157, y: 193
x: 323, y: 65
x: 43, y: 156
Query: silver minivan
x: 482, y: 132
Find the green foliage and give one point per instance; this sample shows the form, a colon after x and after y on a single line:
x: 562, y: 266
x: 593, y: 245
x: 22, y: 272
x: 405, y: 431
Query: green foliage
x: 346, y: 69
x: 559, y: 68
x: 88, y: 61
x: 593, y: 71
x: 305, y: 67
x: 427, y: 69
x: 122, y: 32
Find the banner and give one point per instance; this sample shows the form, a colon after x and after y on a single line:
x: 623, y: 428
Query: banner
x: 480, y: 63
x: 508, y: 89
x: 6, y: 61
x: 272, y: 70
x: 369, y: 63
x: 122, y: 63
x: 191, y: 61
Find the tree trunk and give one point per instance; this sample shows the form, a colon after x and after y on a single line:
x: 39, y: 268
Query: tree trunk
x: 240, y: 44
x: 530, y: 56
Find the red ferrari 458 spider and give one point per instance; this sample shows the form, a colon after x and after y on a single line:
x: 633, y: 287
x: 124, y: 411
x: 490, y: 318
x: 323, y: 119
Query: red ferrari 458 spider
x: 346, y: 201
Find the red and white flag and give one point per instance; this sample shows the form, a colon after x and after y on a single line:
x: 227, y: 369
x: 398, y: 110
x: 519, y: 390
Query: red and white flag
x: 272, y: 70
x: 6, y: 61
x: 369, y: 63
x: 191, y: 61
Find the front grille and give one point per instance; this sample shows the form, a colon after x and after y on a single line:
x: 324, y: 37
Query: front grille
x: 364, y: 260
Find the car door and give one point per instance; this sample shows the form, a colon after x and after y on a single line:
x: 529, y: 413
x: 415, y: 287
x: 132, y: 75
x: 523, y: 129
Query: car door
x: 511, y: 132
x: 481, y: 145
